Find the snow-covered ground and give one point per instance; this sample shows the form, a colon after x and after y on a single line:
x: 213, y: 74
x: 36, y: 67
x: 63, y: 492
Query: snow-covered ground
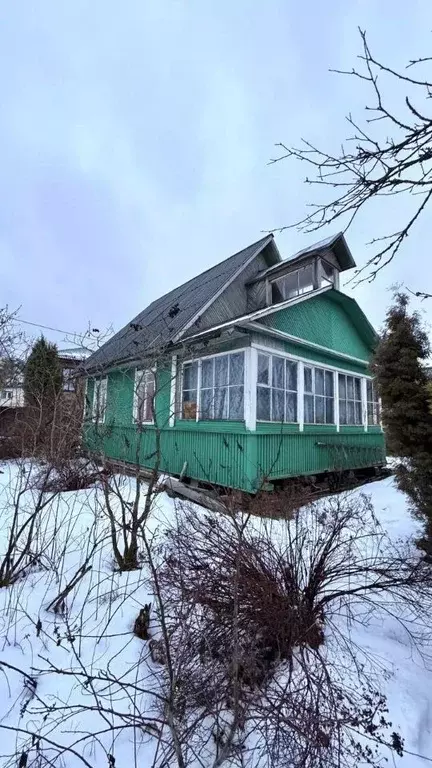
x: 93, y: 641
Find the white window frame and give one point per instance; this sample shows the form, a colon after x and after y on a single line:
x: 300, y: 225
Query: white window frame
x: 149, y: 377
x: 199, y: 361
x: 376, y: 404
x: 354, y: 400
x: 300, y: 292
x: 304, y: 361
x: 98, y: 413
x: 306, y: 393
x: 270, y: 387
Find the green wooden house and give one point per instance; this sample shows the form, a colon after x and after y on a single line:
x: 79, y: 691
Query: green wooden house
x: 254, y: 371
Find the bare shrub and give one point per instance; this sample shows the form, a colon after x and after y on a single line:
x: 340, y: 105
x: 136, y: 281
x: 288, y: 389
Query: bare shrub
x: 258, y: 627
x: 66, y: 475
x: 21, y: 518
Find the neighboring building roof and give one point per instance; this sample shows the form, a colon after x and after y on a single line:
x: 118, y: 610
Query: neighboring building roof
x: 74, y: 353
x: 167, y: 318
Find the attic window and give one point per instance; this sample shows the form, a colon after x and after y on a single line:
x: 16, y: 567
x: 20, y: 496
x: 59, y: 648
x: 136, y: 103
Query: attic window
x: 292, y: 284
x: 327, y: 274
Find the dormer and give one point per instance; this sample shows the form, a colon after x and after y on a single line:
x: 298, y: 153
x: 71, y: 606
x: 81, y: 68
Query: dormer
x: 316, y: 267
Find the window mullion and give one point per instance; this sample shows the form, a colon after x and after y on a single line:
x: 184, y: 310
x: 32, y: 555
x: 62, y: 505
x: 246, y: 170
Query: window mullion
x: 300, y: 395
x: 336, y: 400
x: 364, y: 408
x: 198, y: 408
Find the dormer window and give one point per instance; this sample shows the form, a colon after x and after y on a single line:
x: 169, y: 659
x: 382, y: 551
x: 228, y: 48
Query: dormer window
x: 294, y: 283
x: 327, y: 274
x: 316, y: 273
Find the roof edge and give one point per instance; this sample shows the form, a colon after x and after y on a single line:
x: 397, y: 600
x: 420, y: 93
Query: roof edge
x: 263, y: 244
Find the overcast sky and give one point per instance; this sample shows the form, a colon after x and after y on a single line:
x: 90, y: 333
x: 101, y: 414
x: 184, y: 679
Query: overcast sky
x: 135, y: 136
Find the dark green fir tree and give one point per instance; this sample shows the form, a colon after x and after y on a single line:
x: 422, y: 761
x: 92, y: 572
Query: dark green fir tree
x: 402, y: 382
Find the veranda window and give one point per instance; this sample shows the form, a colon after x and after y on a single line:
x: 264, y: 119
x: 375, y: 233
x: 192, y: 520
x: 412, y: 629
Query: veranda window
x: 350, y: 401
x: 144, y: 391
x: 373, y: 405
x: 190, y: 390
x: 318, y: 396
x: 220, y: 392
x: 276, y: 389
x: 99, y: 400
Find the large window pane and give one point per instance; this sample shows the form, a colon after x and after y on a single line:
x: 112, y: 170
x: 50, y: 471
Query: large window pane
x: 358, y: 413
x: 236, y: 403
x: 308, y: 379
x: 263, y: 403
x: 221, y: 403
x: 189, y: 404
x: 277, y: 289
x: 306, y: 279
x: 190, y: 375
x: 278, y: 365
x: 329, y: 411
x: 291, y: 375
x: 342, y: 412
x: 357, y: 389
x: 329, y: 383
x: 309, y: 409
x: 290, y: 285
x: 320, y: 410
x: 342, y: 386
x: 221, y: 370
x: 350, y: 412
x: 319, y: 381
x: 278, y: 404
x: 206, y: 404
x: 350, y: 387
x: 372, y: 403
x: 291, y: 407
x: 207, y: 373
x: 263, y: 369
x: 236, y: 368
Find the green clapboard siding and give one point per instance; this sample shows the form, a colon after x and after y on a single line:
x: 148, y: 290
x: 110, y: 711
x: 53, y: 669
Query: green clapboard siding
x: 239, y: 460
x: 322, y: 321
x: 225, y: 453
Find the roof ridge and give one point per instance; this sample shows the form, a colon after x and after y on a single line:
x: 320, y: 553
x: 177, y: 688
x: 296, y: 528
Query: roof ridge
x: 164, y: 311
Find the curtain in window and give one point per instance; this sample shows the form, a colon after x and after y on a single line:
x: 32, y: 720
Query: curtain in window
x: 373, y: 406
x: 276, y: 389
x: 318, y: 396
x: 221, y: 391
x: 144, y: 396
x: 190, y: 390
x: 99, y: 400
x: 350, y: 400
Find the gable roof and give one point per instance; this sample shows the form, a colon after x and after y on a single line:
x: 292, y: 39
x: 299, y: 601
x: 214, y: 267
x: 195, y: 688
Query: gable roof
x: 167, y: 318
x: 353, y: 310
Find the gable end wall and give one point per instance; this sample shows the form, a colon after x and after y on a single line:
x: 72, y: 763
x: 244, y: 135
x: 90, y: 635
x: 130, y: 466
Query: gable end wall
x: 234, y: 300
x: 321, y: 321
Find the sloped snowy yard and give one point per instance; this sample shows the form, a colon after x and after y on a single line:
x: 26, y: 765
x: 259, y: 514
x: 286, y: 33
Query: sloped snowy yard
x: 77, y: 659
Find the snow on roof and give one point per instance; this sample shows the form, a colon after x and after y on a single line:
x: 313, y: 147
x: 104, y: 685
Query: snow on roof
x: 75, y: 353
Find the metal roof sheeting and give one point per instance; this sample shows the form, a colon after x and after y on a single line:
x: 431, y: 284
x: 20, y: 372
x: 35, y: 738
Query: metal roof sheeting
x: 166, y: 318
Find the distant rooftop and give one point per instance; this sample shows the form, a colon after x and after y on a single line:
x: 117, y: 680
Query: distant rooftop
x: 75, y: 353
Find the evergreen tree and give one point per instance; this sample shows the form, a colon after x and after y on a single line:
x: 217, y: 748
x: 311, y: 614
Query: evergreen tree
x: 42, y: 376
x: 403, y: 385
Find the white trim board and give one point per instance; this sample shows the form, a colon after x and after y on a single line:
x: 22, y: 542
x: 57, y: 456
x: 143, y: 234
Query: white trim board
x: 307, y: 360
x: 297, y: 340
